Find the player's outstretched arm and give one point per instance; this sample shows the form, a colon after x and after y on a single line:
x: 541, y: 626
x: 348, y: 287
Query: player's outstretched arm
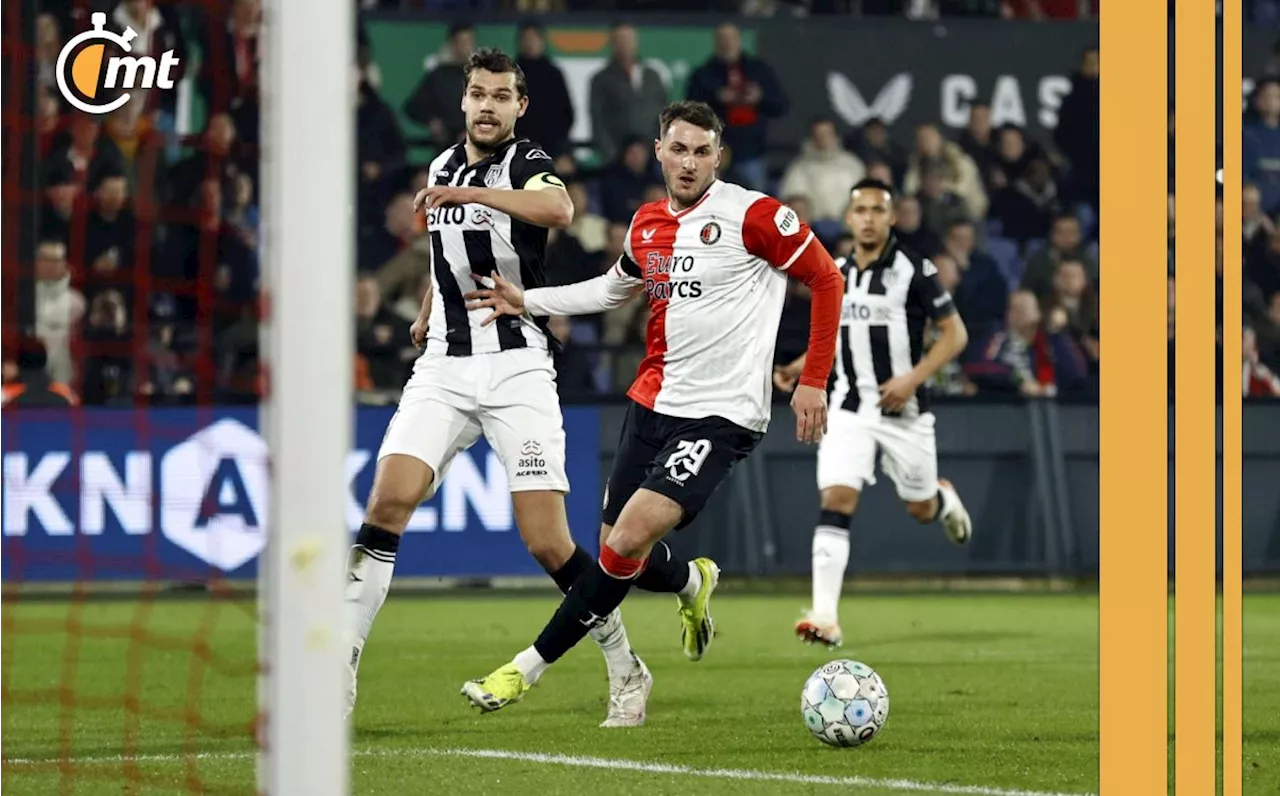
x: 611, y: 289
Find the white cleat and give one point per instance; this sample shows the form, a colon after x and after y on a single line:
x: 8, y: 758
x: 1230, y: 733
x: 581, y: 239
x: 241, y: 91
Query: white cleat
x: 352, y: 662
x: 628, y: 698
x: 956, y: 522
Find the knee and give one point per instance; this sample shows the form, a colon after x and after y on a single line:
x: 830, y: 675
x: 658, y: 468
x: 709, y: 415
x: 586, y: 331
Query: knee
x: 391, y: 509
x: 841, y: 500
x: 922, y: 510
x: 551, y: 551
x: 629, y: 541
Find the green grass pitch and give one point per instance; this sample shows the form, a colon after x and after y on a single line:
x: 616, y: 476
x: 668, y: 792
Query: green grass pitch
x: 990, y: 694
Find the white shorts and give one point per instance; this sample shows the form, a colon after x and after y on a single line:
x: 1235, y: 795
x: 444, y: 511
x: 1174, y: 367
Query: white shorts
x: 509, y: 396
x: 908, y: 453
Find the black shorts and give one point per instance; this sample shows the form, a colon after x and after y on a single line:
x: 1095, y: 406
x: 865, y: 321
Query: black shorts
x: 682, y: 458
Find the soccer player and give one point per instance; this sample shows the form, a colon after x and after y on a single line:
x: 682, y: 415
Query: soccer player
x: 712, y: 259
x: 879, y: 400
x: 488, y: 207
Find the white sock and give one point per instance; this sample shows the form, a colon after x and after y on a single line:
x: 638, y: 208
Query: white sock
x: 946, y: 501
x: 690, y: 589
x: 368, y: 579
x: 530, y: 664
x: 612, y: 638
x: 830, y: 558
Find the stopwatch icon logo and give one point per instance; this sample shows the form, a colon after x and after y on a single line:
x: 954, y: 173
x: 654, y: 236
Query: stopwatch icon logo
x: 91, y: 70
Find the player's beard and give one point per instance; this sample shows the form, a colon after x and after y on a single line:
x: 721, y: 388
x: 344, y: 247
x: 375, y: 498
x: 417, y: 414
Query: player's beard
x: 491, y: 143
x: 868, y: 246
x: 688, y: 196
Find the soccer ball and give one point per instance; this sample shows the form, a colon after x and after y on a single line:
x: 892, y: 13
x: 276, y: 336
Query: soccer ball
x: 844, y: 703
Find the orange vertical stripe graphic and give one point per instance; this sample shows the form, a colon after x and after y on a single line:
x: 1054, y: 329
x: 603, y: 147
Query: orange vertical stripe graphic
x: 1133, y: 655
x: 1232, y: 429
x: 1195, y: 443
x: 86, y: 68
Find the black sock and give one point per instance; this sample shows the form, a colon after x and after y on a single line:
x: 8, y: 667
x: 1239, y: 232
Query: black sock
x: 592, y: 598
x: 666, y: 573
x: 572, y: 569
x: 382, y: 543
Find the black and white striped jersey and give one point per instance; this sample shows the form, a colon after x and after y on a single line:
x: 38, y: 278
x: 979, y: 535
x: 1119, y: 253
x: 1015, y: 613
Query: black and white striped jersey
x: 882, y: 322
x: 475, y: 239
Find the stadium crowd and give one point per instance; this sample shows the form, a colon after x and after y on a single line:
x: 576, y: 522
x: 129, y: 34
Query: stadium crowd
x: 147, y: 264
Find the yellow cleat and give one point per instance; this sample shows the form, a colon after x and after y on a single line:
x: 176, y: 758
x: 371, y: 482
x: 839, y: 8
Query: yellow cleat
x: 504, y: 686
x: 698, y: 628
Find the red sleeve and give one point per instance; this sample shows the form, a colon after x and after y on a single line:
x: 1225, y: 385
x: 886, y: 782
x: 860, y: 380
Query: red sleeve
x: 774, y: 233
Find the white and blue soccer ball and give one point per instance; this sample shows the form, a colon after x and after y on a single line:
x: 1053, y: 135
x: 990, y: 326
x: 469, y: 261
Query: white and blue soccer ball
x: 844, y: 703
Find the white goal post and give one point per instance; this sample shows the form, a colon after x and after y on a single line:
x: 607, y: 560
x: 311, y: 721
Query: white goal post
x: 307, y: 195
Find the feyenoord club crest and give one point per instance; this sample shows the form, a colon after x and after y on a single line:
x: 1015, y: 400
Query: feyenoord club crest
x: 710, y: 233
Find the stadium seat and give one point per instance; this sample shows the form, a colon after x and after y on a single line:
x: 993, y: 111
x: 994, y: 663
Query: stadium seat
x: 1088, y: 220
x: 1005, y: 253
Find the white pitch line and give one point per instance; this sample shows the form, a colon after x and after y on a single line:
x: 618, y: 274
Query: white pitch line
x: 577, y: 761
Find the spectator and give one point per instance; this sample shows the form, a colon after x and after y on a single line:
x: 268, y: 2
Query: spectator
x: 382, y: 339
x: 1013, y: 153
x: 1027, y: 207
x: 574, y: 377
x: 242, y: 215
x: 950, y: 378
x: 873, y: 143
x: 623, y: 183
x: 1078, y: 132
x: 910, y: 227
x: 591, y: 229
x: 793, y: 326
x: 380, y: 147
x: 879, y: 170
x: 626, y: 96
x: 981, y: 296
x: 107, y: 377
x: 1074, y: 296
x: 1024, y: 357
x: 1261, y: 156
x: 939, y: 206
x: 230, y: 71
x: 48, y: 46
x: 27, y: 380
x: 824, y: 172
x: 214, y: 159
x: 400, y: 228
x: 1255, y: 224
x: 745, y: 93
x: 85, y: 151
x: 158, y: 30
x: 61, y: 191
x: 111, y: 236
x: 959, y: 174
x: 1256, y: 379
x: 407, y: 307
x: 206, y: 251
x: 58, y: 308
x: 436, y: 102
x: 143, y: 161
x: 977, y: 140
x: 1065, y: 243
x: 550, y: 114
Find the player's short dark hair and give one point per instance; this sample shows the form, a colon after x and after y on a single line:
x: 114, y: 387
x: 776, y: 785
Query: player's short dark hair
x: 460, y: 27
x: 872, y: 184
x: 698, y: 114
x: 491, y: 59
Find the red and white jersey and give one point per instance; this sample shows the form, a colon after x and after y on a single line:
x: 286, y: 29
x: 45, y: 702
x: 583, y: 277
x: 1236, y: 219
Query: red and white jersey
x: 714, y: 278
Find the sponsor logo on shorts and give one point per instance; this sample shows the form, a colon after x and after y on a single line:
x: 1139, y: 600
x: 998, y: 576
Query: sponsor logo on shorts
x: 531, y: 464
x: 687, y: 459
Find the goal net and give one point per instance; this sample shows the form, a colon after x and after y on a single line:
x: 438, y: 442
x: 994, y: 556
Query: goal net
x: 177, y: 394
